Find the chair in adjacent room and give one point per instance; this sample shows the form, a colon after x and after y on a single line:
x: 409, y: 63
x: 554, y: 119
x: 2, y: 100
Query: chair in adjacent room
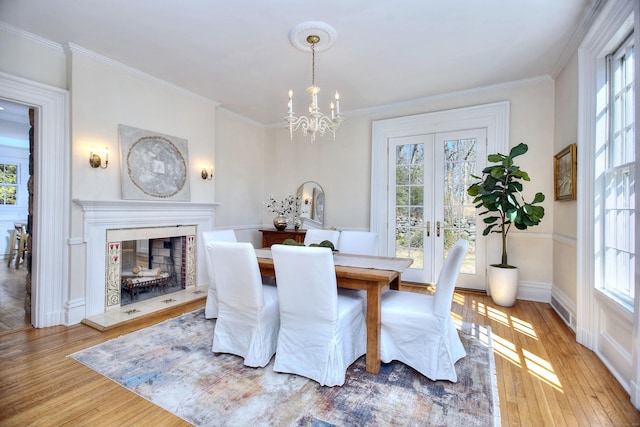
x: 248, y: 313
x: 418, y: 330
x: 317, y: 235
x: 321, y: 332
x: 18, y: 244
x: 357, y: 242
x: 211, y: 306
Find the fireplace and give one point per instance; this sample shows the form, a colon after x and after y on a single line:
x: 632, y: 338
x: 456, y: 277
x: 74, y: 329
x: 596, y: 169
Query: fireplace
x: 108, y: 223
x: 171, y: 251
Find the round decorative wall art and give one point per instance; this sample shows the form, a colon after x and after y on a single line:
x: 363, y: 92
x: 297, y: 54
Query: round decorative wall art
x: 153, y: 165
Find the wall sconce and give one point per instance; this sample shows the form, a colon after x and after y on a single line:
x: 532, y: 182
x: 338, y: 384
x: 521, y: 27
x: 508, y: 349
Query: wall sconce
x: 96, y: 162
x: 207, y: 175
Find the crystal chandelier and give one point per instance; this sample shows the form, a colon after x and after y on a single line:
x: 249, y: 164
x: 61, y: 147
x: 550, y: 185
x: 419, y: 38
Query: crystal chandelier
x: 316, y: 122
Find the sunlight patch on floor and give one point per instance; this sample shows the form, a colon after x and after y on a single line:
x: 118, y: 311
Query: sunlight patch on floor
x: 542, y: 369
x: 518, y: 356
x: 523, y: 327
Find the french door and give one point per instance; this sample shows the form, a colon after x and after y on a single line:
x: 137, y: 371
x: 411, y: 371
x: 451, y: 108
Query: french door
x: 428, y: 205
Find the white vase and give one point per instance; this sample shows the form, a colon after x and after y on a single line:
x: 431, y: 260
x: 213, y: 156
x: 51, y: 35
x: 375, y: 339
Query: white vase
x: 503, y: 285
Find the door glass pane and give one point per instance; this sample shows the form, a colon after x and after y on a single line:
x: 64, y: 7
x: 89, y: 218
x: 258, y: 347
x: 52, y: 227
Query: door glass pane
x: 459, y: 211
x: 409, y: 203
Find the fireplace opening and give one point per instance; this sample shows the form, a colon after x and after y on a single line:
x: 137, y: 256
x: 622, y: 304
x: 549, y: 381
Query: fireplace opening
x: 151, y: 268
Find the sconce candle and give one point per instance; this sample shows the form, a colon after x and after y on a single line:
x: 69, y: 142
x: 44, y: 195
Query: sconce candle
x: 207, y: 174
x: 96, y: 162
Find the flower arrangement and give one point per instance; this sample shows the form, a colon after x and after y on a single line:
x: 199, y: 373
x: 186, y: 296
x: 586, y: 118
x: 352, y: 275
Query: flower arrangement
x: 285, y: 207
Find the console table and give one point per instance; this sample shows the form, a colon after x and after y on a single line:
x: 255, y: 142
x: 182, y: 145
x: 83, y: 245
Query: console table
x: 272, y: 237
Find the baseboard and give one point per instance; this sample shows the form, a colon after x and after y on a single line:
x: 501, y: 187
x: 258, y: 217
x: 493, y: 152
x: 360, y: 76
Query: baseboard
x: 634, y: 392
x: 529, y: 291
x: 74, y: 311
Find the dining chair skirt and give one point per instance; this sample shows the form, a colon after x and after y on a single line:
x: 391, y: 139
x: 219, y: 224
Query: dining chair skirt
x: 321, y: 332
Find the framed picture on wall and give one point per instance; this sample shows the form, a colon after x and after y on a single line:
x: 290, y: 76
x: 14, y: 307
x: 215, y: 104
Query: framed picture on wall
x: 564, y: 172
x: 154, y: 166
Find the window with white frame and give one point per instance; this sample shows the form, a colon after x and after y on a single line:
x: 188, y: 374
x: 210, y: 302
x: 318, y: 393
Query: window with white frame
x: 9, y: 183
x: 618, y: 207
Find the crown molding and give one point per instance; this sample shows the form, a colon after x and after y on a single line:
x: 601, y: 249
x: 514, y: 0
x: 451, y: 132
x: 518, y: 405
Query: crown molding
x: 17, y: 32
x: 71, y: 49
x: 578, y: 34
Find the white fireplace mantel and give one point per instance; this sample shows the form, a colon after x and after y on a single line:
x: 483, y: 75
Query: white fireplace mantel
x: 103, y: 215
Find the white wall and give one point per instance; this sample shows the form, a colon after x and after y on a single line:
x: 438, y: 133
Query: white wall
x: 105, y: 94
x: 238, y: 175
x: 565, y: 218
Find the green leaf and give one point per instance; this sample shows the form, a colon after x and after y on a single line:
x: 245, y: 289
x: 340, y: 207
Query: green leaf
x: 538, y: 198
x: 497, y: 172
x: 495, y: 158
x: 521, y: 174
x: 518, y: 150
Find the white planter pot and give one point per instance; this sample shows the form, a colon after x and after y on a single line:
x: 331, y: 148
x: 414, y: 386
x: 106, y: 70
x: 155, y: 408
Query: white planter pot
x: 503, y: 285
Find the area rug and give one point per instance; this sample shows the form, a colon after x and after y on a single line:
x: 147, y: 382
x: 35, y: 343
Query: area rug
x: 171, y: 365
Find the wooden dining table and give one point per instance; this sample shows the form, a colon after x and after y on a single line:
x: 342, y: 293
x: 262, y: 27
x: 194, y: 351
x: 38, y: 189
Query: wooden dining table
x: 373, y: 274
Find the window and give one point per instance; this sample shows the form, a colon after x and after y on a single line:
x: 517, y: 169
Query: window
x: 8, y: 183
x: 618, y: 244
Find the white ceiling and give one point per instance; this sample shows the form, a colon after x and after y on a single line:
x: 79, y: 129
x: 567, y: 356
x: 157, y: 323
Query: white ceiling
x: 387, y: 51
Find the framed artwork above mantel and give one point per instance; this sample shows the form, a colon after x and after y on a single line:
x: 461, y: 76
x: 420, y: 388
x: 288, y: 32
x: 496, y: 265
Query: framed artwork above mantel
x: 154, y: 166
x: 564, y: 173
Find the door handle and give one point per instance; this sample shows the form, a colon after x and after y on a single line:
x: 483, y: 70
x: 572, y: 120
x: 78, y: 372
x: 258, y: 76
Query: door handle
x: 438, y: 228
x: 428, y: 228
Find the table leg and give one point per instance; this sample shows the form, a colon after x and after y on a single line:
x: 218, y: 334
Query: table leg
x: 374, y: 294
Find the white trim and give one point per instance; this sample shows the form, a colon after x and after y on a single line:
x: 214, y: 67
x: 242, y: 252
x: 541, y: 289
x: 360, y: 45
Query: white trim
x: 531, y: 291
x: 390, y: 108
x: 576, y: 37
x: 72, y: 48
x: 529, y: 235
x: 51, y: 200
x: 17, y: 32
x: 594, y: 310
x: 566, y: 240
x: 494, y: 117
x: 74, y: 311
x: 102, y: 215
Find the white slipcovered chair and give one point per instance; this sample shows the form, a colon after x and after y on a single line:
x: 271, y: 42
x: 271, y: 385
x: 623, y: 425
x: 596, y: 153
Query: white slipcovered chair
x: 321, y: 332
x: 357, y: 242
x: 318, y: 235
x: 248, y: 313
x: 211, y: 306
x: 418, y: 330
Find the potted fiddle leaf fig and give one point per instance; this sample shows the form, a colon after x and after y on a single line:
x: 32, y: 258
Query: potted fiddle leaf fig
x: 499, y: 192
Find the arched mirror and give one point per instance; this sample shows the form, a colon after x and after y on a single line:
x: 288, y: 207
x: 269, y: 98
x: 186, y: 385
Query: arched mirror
x: 311, y: 211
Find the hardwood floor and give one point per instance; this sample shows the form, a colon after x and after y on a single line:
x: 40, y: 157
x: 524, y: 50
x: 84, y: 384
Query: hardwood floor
x: 12, y: 293
x: 544, y: 376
